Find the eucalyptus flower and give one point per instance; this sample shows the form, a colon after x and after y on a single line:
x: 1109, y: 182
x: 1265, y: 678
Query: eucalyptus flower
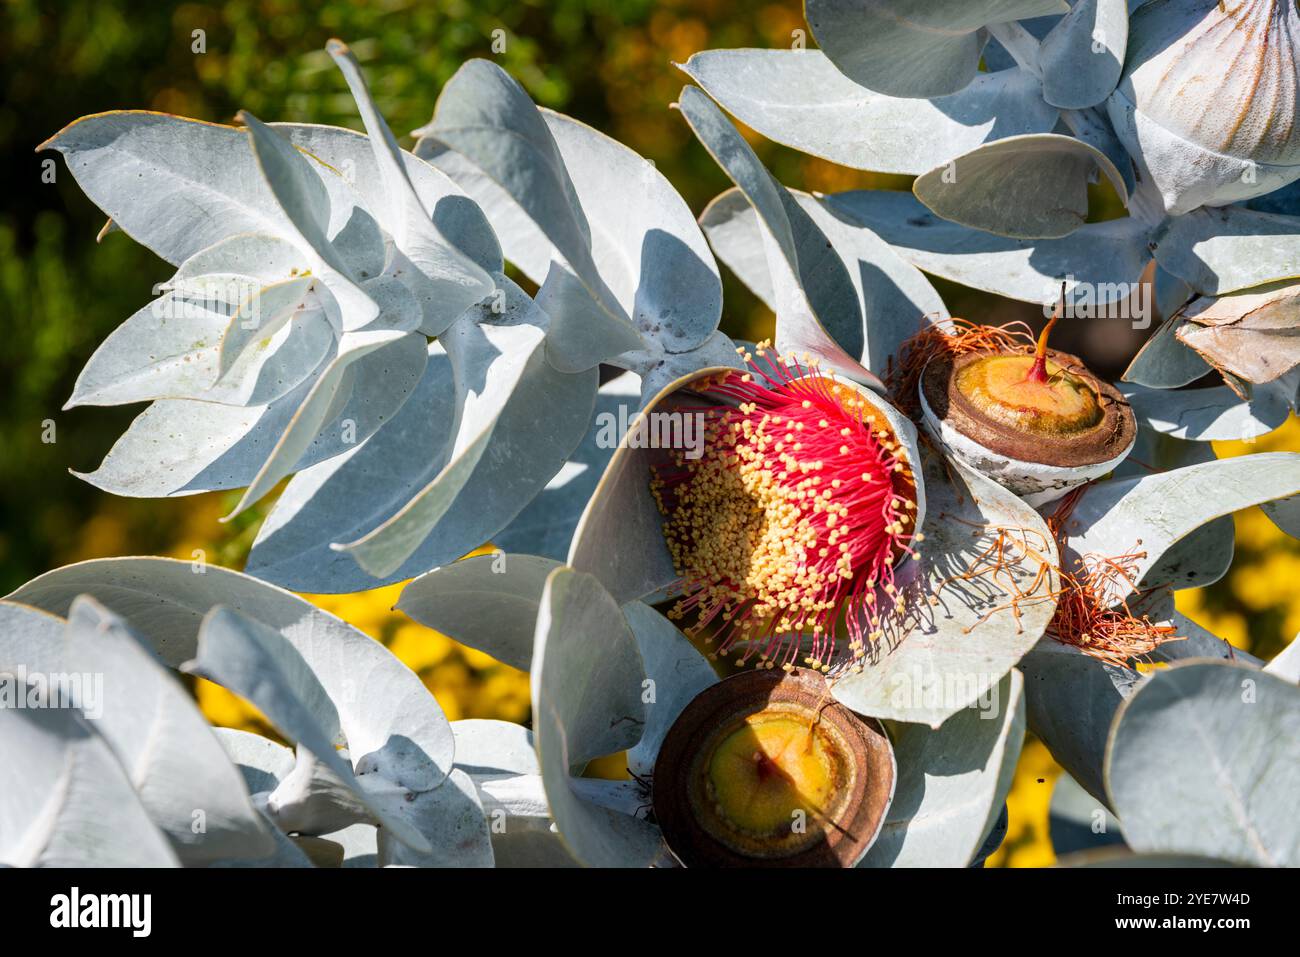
x: 1003, y: 155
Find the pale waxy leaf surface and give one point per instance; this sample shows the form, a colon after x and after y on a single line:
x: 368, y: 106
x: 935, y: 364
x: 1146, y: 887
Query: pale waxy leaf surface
x: 1102, y: 256
x: 458, y: 282
x: 951, y: 781
x: 30, y: 639
x: 677, y: 672
x: 645, y: 242
x: 586, y: 686
x: 259, y: 664
x: 657, y: 369
x: 265, y: 256
x: 166, y: 747
x: 1151, y: 513
x: 895, y: 299
x: 399, y: 357
x: 580, y: 335
x: 65, y: 800
x: 1287, y: 663
x: 349, y: 495
x: 1164, y: 361
x: 916, y: 48
x: 1072, y: 697
x: 815, y: 301
x: 545, y: 526
x: 1222, y: 250
x: 174, y: 349
x: 516, y: 421
x: 259, y: 316
x: 1078, y: 822
x: 350, y: 157
x: 451, y: 819
x: 1083, y: 56
x: 184, y: 446
x: 938, y: 658
x: 500, y: 759
x: 484, y: 115
x: 1047, y: 173
x: 799, y: 99
x: 1211, y: 414
x: 263, y: 763
x: 645, y: 245
x: 1204, y: 759
x: 488, y: 602
x: 381, y: 704
x: 175, y: 185
x: 305, y: 202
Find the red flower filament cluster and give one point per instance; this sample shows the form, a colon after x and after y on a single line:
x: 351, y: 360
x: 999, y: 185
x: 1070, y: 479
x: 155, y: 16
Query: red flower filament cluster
x: 788, y: 527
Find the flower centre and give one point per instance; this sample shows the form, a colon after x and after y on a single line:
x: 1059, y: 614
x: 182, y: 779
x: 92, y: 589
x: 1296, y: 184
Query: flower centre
x: 770, y: 770
x: 1001, y: 388
x: 791, y: 520
x: 766, y: 768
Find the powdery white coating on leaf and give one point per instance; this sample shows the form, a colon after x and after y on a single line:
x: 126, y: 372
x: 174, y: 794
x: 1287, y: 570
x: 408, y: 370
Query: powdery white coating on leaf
x: 516, y: 420
x: 259, y: 664
x: 545, y: 526
x: 381, y: 703
x: 914, y: 48
x: 1205, y: 759
x: 166, y: 747
x: 1072, y: 697
x: 952, y: 782
x: 1213, y: 414
x: 586, y: 690
x: 500, y: 758
x: 1047, y: 173
x: 799, y: 99
x: 330, y: 390
x: 1151, y: 513
x: 1218, y: 251
x: 895, y: 299
x: 815, y: 303
x: 30, y: 638
x: 488, y: 602
x: 174, y: 185
x: 676, y: 673
x: 305, y: 202
x: 451, y: 819
x: 65, y: 800
x: 930, y: 666
x: 1076, y: 74
x: 1102, y: 256
x: 456, y: 281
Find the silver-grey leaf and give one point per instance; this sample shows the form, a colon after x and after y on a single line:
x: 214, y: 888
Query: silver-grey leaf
x: 1047, y: 173
x: 1205, y: 759
x: 798, y: 98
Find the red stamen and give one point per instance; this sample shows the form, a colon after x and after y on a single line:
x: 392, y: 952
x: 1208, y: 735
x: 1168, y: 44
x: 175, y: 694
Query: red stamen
x: 792, y: 520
